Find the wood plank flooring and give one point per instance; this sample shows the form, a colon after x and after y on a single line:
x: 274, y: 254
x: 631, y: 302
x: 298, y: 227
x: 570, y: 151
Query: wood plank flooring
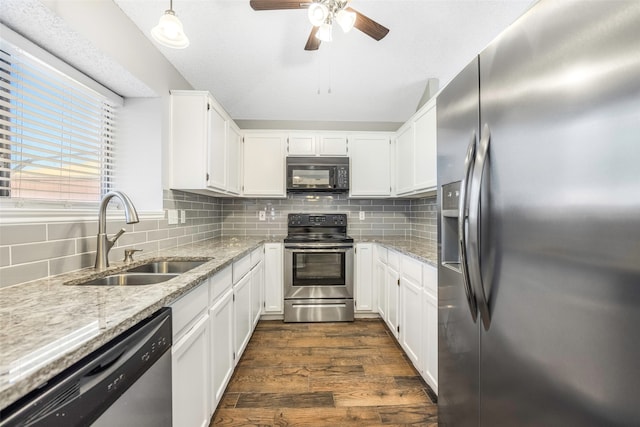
x: 325, y: 374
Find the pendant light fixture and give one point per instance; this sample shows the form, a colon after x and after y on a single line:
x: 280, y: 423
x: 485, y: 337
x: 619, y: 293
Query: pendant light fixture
x: 169, y: 30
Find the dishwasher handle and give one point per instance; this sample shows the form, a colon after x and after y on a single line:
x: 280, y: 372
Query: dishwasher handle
x: 80, y: 394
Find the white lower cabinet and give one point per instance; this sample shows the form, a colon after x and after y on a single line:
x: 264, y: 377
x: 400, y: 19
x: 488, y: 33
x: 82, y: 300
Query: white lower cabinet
x: 273, y: 278
x: 393, y: 288
x: 212, y: 325
x: 430, y: 325
x: 242, y: 315
x: 364, y: 284
x: 222, y: 363
x: 407, y: 300
x: 257, y: 286
x: 190, y: 376
x: 411, y: 319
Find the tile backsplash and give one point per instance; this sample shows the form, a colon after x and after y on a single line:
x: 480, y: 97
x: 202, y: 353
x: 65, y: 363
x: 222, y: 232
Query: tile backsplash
x: 383, y: 217
x: 36, y: 250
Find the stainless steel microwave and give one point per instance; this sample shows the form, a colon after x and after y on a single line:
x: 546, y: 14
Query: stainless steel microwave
x: 329, y: 174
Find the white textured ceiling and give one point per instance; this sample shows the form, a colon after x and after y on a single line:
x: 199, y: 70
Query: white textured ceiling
x: 255, y: 65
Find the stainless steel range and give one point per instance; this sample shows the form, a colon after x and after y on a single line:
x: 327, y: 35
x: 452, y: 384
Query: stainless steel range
x: 318, y: 267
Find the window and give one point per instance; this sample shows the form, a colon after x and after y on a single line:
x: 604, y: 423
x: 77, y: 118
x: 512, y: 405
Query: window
x: 56, y: 133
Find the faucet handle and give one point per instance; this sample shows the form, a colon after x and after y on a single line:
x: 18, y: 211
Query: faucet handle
x: 128, y: 254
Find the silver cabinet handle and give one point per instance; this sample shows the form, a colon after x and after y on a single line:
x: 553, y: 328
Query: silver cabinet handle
x: 474, y: 227
x: 469, y: 161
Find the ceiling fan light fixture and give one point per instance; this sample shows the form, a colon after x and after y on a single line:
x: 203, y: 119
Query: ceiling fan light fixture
x: 324, y: 32
x: 169, y: 31
x: 346, y: 20
x: 318, y: 14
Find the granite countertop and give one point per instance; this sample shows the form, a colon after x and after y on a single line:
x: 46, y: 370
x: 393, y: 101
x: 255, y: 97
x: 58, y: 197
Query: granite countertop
x: 420, y: 249
x: 49, y: 324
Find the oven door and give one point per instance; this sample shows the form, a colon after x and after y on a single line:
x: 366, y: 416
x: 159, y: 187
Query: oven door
x: 318, y: 272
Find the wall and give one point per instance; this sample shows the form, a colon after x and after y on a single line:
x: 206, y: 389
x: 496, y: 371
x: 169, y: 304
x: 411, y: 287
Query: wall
x: 383, y: 217
x: 34, y: 250
x: 402, y: 218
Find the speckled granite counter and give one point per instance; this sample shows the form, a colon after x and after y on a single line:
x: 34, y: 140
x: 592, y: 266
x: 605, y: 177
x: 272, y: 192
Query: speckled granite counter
x: 420, y: 249
x: 47, y: 325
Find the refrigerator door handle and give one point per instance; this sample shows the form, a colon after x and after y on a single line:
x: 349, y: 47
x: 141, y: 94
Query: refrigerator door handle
x: 474, y: 227
x: 463, y: 214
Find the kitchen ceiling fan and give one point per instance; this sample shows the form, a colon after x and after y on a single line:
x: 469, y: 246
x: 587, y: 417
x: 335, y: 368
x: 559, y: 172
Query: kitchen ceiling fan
x: 323, y: 14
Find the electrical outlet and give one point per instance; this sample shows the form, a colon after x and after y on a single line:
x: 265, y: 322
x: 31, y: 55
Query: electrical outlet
x: 172, y: 216
x: 262, y: 215
x: 361, y: 215
x: 183, y: 216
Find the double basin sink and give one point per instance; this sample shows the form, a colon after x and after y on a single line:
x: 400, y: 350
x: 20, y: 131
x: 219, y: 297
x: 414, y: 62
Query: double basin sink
x: 146, y: 274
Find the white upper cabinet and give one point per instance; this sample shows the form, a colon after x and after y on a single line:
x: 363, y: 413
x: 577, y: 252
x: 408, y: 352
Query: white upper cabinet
x: 316, y: 144
x: 204, y: 152
x: 405, y: 160
x: 425, y: 148
x: 415, y: 150
x: 234, y: 159
x: 370, y: 165
x: 264, y: 165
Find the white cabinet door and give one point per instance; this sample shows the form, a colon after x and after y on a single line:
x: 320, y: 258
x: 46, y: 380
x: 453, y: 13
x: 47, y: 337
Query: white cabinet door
x: 257, y: 285
x: 411, y: 325
x: 333, y: 145
x: 264, y: 165
x: 370, y: 166
x: 273, y: 274
x: 393, y: 287
x: 364, y: 277
x: 190, y: 377
x: 301, y: 145
x: 188, y: 139
x: 234, y: 159
x: 221, y: 347
x: 430, y: 346
x: 381, y: 286
x: 242, y: 314
x: 425, y: 148
x: 217, y: 152
x: 405, y: 160
x: 430, y: 322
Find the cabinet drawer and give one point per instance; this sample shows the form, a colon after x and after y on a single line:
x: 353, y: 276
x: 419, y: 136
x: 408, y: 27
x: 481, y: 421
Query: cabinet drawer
x: 219, y: 283
x: 393, y: 259
x: 430, y: 279
x: 257, y: 255
x: 412, y: 269
x: 186, y: 311
x: 241, y: 267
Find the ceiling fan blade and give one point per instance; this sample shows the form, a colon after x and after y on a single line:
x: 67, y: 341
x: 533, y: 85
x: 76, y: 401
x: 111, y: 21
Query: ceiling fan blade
x: 313, y: 43
x: 278, y: 4
x: 368, y: 25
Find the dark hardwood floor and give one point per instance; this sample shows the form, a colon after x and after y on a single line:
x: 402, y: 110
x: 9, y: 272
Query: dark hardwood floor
x: 325, y: 374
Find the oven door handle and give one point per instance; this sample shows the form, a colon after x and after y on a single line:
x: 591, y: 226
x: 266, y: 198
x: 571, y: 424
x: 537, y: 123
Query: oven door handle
x: 308, y: 249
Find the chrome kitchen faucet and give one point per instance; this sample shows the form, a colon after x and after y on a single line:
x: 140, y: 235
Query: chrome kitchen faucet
x: 104, y: 243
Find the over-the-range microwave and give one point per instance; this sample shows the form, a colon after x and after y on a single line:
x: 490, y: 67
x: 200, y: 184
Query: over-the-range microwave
x: 330, y: 174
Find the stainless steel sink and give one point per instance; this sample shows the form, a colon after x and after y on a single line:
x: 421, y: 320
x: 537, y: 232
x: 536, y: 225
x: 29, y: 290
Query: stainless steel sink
x: 130, y: 279
x: 171, y: 267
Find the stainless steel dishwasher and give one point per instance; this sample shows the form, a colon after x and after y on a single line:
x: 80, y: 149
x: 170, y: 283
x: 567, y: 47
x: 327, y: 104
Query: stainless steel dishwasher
x: 127, y: 382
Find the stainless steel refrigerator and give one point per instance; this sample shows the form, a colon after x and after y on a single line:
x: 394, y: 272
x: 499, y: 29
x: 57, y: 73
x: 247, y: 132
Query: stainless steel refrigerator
x: 539, y: 225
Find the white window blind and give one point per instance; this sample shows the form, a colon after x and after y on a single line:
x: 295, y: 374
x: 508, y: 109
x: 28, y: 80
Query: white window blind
x: 56, y: 134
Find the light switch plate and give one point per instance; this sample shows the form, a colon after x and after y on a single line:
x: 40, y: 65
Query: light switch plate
x: 361, y: 215
x: 183, y: 216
